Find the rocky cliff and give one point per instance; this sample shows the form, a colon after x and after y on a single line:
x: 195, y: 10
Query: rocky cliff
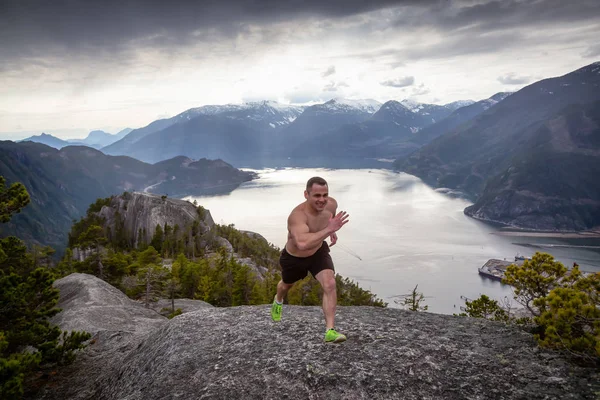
x: 141, y: 212
x: 238, y: 352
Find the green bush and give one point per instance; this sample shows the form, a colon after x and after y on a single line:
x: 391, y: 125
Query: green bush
x: 564, y: 304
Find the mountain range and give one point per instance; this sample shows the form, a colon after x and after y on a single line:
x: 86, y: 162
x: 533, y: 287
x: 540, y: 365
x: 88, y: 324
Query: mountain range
x: 96, y: 139
x: 63, y: 183
x: 527, y: 159
x: 532, y: 160
x: 271, y: 134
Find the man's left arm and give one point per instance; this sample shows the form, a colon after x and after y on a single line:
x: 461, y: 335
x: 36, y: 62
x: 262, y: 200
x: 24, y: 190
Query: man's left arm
x: 332, y: 206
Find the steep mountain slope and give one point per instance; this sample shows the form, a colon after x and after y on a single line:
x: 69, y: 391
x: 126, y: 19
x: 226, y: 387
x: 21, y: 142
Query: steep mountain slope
x: 63, y: 183
x: 466, y: 157
x: 553, y: 182
x: 455, y: 105
x: 458, y: 117
x: 209, y: 136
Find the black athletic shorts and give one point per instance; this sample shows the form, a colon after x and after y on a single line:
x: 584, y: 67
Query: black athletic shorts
x: 295, y: 268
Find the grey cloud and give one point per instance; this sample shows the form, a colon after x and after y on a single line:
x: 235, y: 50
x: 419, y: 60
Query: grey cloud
x: 330, y: 71
x: 34, y: 29
x: 330, y: 87
x: 452, y: 45
x: 397, y: 64
x: 300, y: 97
x: 592, y: 51
x: 333, y: 86
x: 490, y: 16
x: 420, y: 90
x: 513, y: 79
x: 30, y: 28
x: 459, y: 45
x: 399, y: 82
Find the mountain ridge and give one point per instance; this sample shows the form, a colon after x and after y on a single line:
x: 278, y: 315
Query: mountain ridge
x: 486, y: 146
x: 63, y: 183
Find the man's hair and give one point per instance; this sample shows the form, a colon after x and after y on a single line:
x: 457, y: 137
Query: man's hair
x: 315, y: 180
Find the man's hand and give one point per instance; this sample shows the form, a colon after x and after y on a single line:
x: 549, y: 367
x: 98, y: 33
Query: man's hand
x: 333, y: 238
x: 335, y: 223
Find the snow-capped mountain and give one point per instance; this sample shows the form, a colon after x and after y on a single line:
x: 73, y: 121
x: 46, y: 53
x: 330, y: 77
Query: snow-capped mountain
x: 432, y: 112
x: 487, y: 103
x: 262, y: 116
x: 458, y: 117
x: 273, y: 113
x: 367, y: 105
x: 393, y: 111
x: 455, y: 105
x: 320, y: 118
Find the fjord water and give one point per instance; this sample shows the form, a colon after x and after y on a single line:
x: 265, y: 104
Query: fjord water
x: 401, y: 233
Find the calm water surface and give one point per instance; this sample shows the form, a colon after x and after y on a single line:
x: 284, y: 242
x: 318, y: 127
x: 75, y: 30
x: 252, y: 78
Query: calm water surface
x: 401, y: 233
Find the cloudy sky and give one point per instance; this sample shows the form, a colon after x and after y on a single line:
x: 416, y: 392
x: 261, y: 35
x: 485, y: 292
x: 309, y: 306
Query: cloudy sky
x: 71, y: 66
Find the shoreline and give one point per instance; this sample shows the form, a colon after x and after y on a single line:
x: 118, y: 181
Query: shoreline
x: 564, y: 235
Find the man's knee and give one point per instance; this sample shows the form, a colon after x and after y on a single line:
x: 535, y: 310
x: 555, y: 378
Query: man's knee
x: 328, y: 284
x: 284, y: 285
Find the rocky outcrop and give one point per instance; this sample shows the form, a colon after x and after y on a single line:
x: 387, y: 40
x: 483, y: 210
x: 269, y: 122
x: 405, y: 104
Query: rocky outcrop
x: 164, y: 306
x: 90, y: 304
x: 254, y: 235
x: 141, y: 212
x: 224, y: 243
x: 238, y: 352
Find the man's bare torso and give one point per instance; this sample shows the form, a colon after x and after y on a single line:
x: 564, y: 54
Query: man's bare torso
x: 315, y: 224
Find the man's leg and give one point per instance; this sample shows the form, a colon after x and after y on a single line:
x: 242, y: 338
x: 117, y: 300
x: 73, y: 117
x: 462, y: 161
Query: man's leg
x: 327, y: 280
x: 276, y: 307
x: 282, y: 289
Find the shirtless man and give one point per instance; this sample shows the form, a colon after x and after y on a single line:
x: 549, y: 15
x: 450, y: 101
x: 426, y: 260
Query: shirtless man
x: 309, y: 224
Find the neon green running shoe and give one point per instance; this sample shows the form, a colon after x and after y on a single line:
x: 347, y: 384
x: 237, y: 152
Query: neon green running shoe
x: 331, y: 336
x: 276, y: 310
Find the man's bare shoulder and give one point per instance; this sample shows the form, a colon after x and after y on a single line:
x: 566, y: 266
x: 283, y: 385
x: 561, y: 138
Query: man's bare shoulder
x: 332, y: 205
x: 298, y: 214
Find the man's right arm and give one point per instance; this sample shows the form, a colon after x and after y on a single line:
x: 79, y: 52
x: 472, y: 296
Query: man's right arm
x: 302, y: 238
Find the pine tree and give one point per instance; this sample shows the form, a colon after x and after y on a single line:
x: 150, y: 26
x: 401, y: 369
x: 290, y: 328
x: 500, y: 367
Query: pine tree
x: 158, y: 238
x: 27, y: 302
x: 12, y: 199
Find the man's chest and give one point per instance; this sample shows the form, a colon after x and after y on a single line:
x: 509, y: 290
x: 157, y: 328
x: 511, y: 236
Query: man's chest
x: 319, y: 222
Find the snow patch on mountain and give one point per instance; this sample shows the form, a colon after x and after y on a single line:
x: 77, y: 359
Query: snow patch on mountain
x: 412, y: 105
x: 271, y: 112
x: 455, y: 105
x: 367, y: 105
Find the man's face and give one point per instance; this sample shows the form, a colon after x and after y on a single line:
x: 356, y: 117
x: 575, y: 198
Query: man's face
x: 317, y: 196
